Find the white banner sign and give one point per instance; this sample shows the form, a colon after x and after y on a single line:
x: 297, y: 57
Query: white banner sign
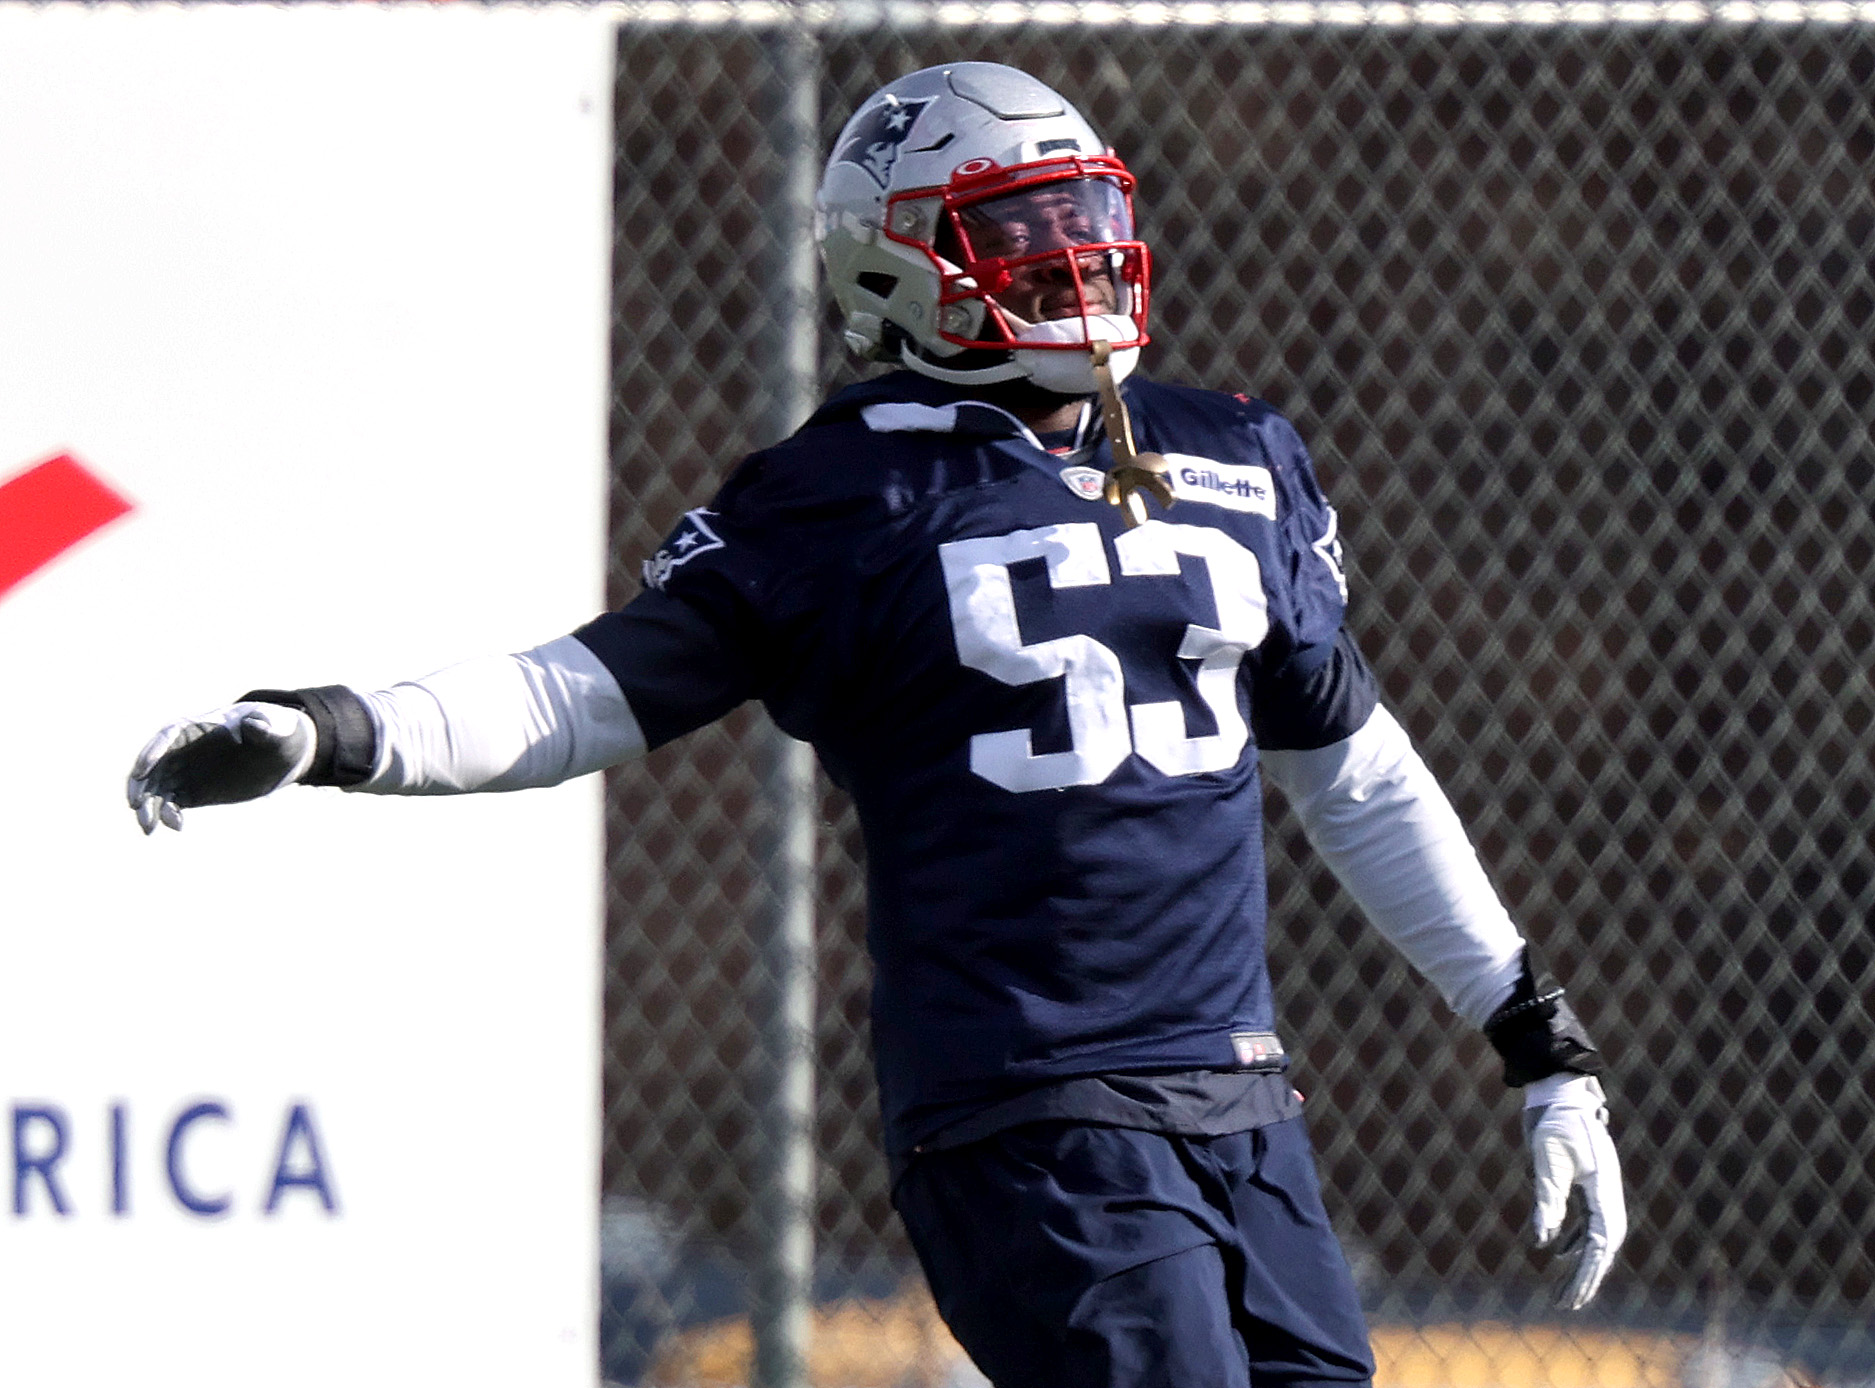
x: 302, y: 381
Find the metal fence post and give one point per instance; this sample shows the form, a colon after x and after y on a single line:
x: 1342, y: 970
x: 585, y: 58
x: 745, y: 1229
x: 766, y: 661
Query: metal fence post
x: 785, y: 1192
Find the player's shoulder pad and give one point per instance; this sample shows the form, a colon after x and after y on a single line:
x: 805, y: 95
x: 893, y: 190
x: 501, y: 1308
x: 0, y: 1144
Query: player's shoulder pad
x: 1185, y: 419
x: 784, y: 504
x: 873, y: 452
x: 1172, y: 408
x: 827, y: 468
x: 1200, y: 400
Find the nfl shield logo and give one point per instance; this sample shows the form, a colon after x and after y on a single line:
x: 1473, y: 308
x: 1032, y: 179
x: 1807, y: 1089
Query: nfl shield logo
x: 1084, y: 482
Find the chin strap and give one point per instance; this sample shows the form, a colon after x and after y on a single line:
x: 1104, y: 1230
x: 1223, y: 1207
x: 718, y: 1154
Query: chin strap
x: 1009, y: 370
x: 1132, y: 471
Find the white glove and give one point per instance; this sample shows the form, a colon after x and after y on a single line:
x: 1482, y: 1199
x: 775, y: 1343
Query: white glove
x: 1565, y: 1122
x: 240, y: 752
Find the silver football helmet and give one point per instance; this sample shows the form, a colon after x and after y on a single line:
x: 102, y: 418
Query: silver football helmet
x: 976, y: 229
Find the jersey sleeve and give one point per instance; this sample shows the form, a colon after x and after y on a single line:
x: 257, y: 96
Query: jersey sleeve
x: 1315, y: 688
x: 1318, y: 696
x: 677, y: 667
x: 1315, y: 584
x: 687, y: 649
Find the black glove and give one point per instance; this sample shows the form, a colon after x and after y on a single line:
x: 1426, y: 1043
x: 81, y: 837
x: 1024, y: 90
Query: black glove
x: 240, y: 752
x: 269, y: 739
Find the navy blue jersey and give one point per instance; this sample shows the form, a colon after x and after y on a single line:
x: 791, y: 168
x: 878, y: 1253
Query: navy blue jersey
x: 1048, y: 722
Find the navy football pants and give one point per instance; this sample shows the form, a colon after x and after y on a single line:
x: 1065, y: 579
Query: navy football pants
x: 1072, y: 1256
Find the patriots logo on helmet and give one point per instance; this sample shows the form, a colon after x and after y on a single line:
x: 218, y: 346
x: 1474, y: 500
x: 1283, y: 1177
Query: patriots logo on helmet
x: 878, y: 135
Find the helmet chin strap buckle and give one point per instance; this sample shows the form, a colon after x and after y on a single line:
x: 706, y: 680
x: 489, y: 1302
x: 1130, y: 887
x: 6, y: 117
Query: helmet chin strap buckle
x: 1132, y: 471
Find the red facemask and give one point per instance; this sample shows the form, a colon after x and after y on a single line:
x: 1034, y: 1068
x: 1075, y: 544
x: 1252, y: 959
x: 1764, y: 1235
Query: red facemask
x: 1047, y: 242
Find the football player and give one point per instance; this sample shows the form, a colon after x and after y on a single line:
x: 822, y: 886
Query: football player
x: 1048, y: 623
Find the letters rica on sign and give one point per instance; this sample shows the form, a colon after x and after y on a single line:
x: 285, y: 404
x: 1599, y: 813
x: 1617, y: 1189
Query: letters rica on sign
x: 44, y: 1184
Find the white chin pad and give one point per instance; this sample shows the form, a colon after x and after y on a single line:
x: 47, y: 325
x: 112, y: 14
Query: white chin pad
x: 1072, y: 373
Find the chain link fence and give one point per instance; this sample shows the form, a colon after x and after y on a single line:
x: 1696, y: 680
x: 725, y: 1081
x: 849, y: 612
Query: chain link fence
x: 1577, y: 319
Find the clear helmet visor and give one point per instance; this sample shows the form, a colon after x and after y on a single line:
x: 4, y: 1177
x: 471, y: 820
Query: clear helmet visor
x: 1060, y: 248
x: 1050, y: 217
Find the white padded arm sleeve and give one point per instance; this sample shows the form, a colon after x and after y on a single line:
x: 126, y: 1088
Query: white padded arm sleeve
x: 502, y: 723
x: 1378, y: 818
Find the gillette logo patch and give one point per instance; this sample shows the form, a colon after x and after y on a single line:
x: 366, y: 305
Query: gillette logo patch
x: 1234, y: 486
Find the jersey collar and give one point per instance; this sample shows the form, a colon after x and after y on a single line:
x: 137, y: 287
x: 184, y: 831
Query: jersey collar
x: 904, y: 402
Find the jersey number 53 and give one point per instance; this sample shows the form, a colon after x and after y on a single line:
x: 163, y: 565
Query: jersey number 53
x: 1105, y: 728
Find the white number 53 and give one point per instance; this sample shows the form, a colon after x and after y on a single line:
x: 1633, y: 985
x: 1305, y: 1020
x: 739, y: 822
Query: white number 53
x: 1104, y: 726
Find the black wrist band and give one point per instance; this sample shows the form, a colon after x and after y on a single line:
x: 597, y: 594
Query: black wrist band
x: 348, y: 740
x: 1538, y: 1034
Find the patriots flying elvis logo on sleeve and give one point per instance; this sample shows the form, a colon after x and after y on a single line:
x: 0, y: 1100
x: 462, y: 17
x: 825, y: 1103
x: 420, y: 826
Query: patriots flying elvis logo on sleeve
x: 693, y: 536
x: 1328, y: 548
x: 877, y: 136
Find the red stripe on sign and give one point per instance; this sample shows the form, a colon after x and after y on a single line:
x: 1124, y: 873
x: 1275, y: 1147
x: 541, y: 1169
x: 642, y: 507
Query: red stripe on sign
x: 48, y: 509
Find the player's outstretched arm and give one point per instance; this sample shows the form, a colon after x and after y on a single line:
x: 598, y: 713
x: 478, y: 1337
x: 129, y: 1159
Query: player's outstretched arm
x: 499, y: 723
x: 1378, y: 817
